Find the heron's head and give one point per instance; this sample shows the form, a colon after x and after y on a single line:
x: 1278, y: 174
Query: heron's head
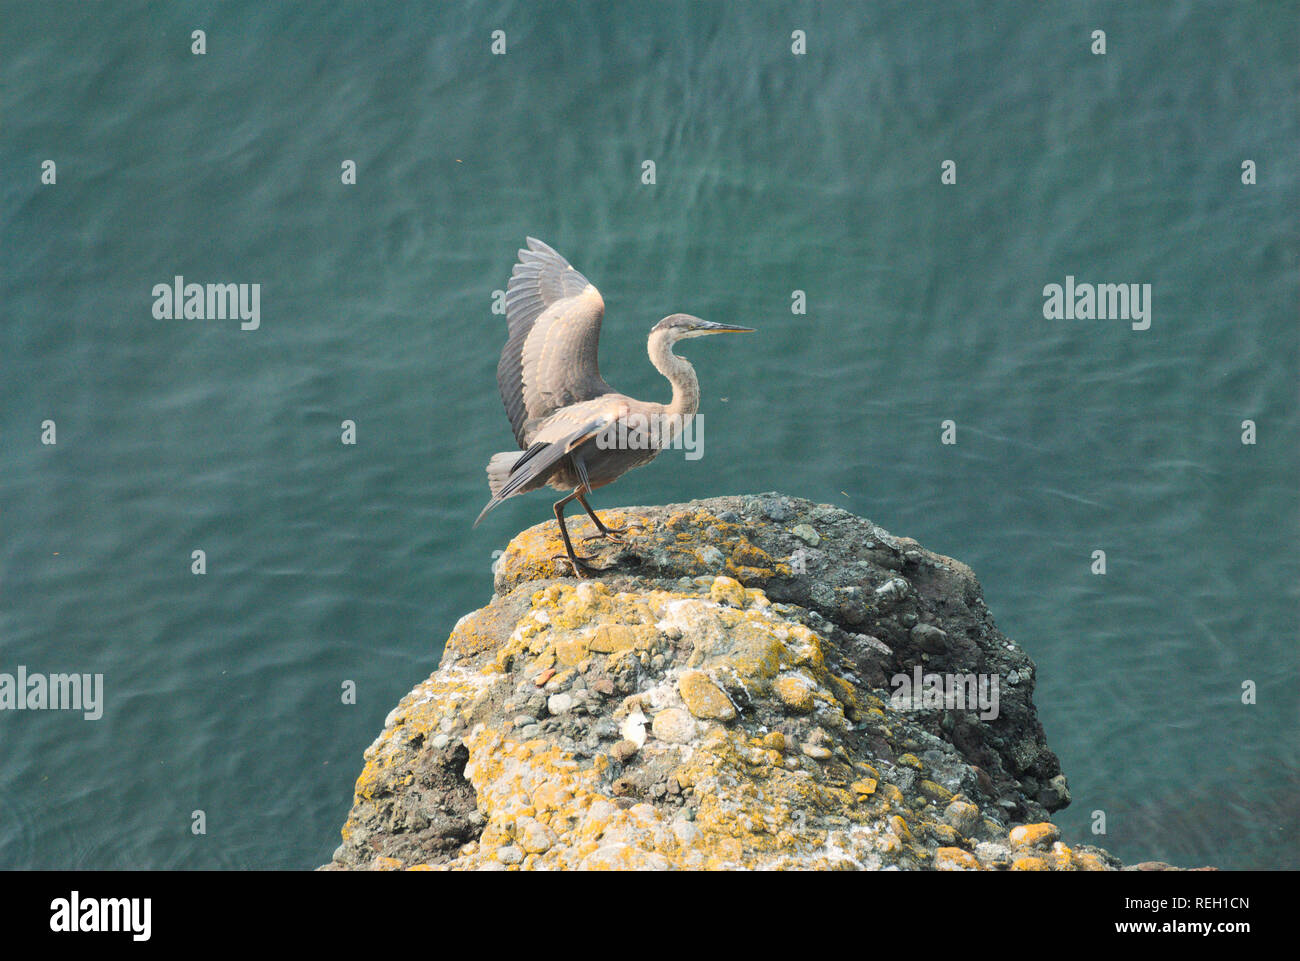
x: 680, y: 326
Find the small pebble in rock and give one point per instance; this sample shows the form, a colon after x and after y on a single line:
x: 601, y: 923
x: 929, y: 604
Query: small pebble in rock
x: 535, y: 837
x: 674, y: 726
x: 929, y: 638
x: 807, y: 535
x: 892, y: 591
x: 777, y: 510
x: 963, y: 816
x: 633, y: 728
x: 710, y: 556
x: 559, y: 703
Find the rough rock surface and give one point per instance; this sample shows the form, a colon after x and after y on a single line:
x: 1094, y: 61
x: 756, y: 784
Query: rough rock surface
x: 721, y: 697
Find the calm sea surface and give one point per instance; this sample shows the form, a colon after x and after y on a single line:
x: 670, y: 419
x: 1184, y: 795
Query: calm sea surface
x: 329, y: 563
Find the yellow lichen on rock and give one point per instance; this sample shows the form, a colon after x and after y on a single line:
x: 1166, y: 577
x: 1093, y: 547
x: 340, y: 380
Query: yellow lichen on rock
x: 703, y: 698
x: 1030, y: 864
x: 727, y: 590
x: 701, y: 708
x: 955, y: 859
x: 795, y: 693
x: 1034, y: 835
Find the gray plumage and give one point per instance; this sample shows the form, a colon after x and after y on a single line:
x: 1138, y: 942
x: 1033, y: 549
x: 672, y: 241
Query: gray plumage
x: 556, y: 400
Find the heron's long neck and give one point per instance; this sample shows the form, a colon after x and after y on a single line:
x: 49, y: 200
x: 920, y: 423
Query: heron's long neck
x: 686, y: 386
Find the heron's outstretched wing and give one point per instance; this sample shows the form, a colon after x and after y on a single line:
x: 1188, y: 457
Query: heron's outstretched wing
x: 553, y: 314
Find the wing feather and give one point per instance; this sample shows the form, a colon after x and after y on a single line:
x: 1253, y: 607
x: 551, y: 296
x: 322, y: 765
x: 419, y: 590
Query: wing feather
x: 553, y: 316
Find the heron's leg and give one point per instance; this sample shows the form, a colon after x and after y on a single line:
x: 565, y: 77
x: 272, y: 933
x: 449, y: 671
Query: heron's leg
x: 610, y: 532
x: 580, y: 567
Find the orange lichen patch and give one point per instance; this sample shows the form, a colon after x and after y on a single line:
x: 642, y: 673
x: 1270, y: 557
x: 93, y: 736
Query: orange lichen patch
x: 727, y: 590
x: 1030, y: 864
x: 891, y: 794
x: 847, y: 695
x: 945, y: 834
x: 936, y: 792
x: 1062, y: 858
x: 692, y: 538
x: 545, y: 662
x: 474, y: 634
x: 569, y: 622
x: 571, y: 651
x: 890, y: 844
x: 739, y: 647
x: 751, y: 575
x: 745, y: 554
x: 1034, y: 835
x: 680, y: 520
x: 1087, y: 861
x: 611, y: 638
x: 764, y: 808
x: 533, y: 552
x: 955, y: 859
x: 795, y: 693
x: 703, y: 698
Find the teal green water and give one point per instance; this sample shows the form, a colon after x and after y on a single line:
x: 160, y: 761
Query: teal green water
x: 774, y: 173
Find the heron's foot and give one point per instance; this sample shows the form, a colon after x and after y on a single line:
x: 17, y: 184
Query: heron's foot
x: 580, y: 565
x: 614, y: 533
x: 609, y: 534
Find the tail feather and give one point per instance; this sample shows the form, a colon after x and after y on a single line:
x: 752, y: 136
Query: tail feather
x: 498, y: 471
x: 499, y: 468
x: 514, y: 472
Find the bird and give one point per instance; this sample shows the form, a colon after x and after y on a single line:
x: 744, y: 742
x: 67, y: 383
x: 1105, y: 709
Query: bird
x: 575, y: 432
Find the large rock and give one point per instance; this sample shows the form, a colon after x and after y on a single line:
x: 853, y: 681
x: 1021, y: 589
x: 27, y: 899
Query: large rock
x: 721, y: 697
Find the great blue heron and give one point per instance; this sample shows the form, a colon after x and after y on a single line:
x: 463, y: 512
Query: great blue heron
x: 575, y: 432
